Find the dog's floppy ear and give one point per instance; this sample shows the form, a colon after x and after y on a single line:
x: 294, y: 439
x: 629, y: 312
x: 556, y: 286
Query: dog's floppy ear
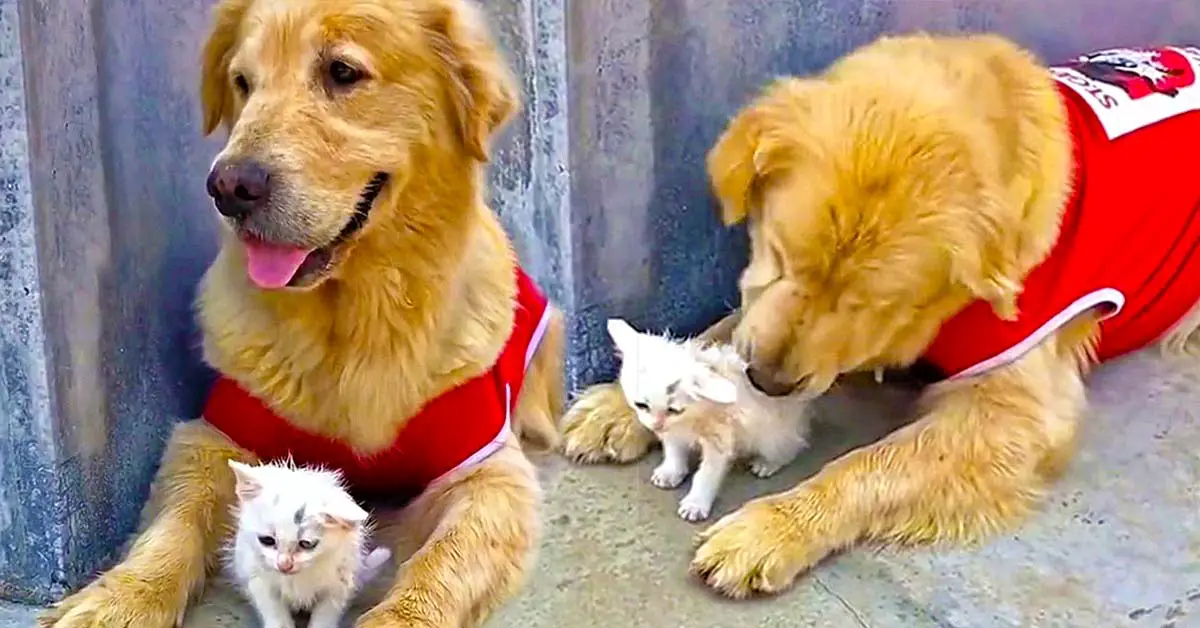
x: 483, y: 89
x: 989, y: 283
x: 215, y: 94
x: 759, y: 140
x: 731, y: 165
x: 988, y: 268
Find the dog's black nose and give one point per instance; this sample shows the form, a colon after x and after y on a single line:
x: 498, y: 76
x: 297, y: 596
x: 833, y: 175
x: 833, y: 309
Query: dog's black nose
x: 238, y: 188
x: 767, y: 384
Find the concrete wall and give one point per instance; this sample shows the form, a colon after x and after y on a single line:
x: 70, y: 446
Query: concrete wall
x: 102, y: 156
x: 104, y: 225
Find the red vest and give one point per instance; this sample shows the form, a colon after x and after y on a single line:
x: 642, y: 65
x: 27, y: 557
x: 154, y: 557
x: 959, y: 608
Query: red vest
x: 1129, y: 243
x: 460, y: 428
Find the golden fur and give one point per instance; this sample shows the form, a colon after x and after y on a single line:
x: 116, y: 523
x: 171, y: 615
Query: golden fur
x: 417, y: 302
x: 917, y: 174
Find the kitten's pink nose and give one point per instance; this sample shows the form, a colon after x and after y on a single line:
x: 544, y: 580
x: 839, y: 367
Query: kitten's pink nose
x: 285, y: 564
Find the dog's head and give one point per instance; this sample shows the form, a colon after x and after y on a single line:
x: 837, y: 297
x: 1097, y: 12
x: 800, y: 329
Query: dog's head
x: 873, y: 217
x: 330, y: 104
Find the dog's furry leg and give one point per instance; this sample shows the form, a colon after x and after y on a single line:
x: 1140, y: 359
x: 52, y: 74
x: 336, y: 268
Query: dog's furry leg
x: 535, y: 421
x: 600, y: 426
x: 976, y: 462
x: 477, y: 533
x: 185, y: 521
x: 1184, y: 338
x: 540, y: 406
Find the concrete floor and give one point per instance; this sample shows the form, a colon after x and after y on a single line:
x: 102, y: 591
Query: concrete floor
x: 1117, y: 545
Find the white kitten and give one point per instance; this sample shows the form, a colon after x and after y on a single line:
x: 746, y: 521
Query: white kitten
x: 300, y: 544
x: 696, y: 396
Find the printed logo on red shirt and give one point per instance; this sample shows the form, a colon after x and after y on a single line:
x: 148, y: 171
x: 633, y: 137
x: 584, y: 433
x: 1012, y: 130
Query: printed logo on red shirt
x: 1139, y: 72
x: 1131, y: 88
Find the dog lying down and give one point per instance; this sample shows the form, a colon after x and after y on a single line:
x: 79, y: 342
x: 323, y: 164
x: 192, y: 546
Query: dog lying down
x: 946, y: 201
x: 366, y: 310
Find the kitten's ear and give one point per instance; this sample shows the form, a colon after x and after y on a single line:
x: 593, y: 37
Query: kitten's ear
x: 713, y: 386
x: 342, y: 512
x: 248, y: 486
x: 623, y: 334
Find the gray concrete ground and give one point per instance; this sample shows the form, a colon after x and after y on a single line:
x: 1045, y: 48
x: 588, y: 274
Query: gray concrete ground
x: 1118, y: 544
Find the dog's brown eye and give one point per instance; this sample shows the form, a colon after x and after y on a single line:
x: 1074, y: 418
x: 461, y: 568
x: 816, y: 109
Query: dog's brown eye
x: 343, y: 74
x: 241, y: 83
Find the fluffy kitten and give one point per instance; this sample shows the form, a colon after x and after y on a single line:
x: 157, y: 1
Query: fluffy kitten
x: 696, y: 396
x: 299, y: 544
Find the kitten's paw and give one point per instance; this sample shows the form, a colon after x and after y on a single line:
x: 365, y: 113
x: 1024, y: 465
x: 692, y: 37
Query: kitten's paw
x: 117, y: 600
x: 764, y: 468
x: 694, y: 509
x: 601, y: 427
x: 667, y: 476
x: 323, y: 619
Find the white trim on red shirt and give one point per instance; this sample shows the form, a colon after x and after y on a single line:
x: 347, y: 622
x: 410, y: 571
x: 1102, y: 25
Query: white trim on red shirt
x: 505, y: 432
x: 1104, y: 296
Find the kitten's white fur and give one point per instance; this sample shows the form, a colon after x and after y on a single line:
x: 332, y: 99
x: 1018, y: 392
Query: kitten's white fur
x: 300, y: 544
x: 697, y: 396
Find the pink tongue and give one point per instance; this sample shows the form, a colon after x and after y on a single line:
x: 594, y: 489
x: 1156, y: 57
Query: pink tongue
x: 272, y: 265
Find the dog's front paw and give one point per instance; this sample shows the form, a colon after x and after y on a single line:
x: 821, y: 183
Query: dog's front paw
x: 600, y: 426
x: 118, y: 600
x: 694, y: 509
x: 758, y: 549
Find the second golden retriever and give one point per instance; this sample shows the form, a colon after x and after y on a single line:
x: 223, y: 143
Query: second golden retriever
x: 948, y: 200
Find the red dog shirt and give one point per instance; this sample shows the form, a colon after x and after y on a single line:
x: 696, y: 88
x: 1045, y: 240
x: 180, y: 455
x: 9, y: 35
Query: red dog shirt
x: 462, y: 427
x: 1129, y: 242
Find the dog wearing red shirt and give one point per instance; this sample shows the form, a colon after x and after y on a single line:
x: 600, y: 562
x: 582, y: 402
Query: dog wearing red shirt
x: 947, y: 202
x: 366, y: 311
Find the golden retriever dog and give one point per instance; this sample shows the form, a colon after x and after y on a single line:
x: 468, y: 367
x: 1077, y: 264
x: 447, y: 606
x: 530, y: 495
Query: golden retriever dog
x: 952, y: 202
x: 363, y: 286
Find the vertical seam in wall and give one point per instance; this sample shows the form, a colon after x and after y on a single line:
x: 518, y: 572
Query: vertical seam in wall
x: 550, y: 130
x: 28, y: 303
x: 551, y: 124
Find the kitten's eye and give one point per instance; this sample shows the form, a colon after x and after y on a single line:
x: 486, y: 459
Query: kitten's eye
x: 642, y: 405
x: 242, y: 85
x: 342, y: 74
x: 267, y: 541
x: 307, y: 545
x: 674, y: 410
